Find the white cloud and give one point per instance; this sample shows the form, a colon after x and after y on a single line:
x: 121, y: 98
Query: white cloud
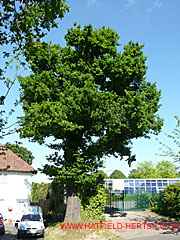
x: 149, y: 5
x: 91, y: 2
x: 130, y: 3
x: 154, y: 5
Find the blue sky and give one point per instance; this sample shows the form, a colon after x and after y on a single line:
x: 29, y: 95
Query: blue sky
x: 154, y: 23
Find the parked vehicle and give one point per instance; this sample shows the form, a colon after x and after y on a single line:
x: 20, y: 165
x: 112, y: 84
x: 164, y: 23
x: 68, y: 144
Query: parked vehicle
x: 27, y: 210
x: 31, y: 225
x: 2, y: 227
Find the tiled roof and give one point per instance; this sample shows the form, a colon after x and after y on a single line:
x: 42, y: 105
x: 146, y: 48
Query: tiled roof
x: 11, y: 162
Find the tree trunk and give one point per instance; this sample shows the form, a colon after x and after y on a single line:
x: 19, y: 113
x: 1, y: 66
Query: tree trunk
x: 73, y: 209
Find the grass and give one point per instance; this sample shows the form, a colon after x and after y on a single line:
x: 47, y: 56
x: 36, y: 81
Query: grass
x: 55, y: 233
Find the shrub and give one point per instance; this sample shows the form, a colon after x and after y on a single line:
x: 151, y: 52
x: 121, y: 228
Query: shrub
x: 170, y: 204
x: 156, y: 201
x: 94, y: 211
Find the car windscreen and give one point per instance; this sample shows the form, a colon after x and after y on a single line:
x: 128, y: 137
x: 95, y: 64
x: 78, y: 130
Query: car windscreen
x: 31, y: 217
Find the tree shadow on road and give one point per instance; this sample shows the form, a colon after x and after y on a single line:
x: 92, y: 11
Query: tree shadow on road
x: 160, y: 223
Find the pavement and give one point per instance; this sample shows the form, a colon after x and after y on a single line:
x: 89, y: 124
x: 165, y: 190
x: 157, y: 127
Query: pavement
x: 143, y: 225
x: 11, y: 233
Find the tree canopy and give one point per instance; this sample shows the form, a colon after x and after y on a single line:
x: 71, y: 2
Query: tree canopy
x: 22, y: 23
x: 163, y: 169
x: 91, y: 98
x: 101, y: 174
x: 39, y: 191
x: 117, y: 174
x: 20, y: 151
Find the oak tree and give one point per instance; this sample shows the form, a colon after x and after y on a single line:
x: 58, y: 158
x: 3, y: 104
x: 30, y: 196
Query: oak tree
x: 92, y: 99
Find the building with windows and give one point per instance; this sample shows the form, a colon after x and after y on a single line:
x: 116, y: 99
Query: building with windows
x: 130, y: 186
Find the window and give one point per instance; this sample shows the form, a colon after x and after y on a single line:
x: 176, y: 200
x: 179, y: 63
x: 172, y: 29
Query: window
x: 126, y: 183
x: 137, y: 184
x: 30, y: 217
x: 172, y: 181
x: 131, y: 190
x: 108, y: 184
x: 126, y: 190
x: 148, y: 189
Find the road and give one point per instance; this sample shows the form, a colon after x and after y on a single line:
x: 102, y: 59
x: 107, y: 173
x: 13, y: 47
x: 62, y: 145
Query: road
x: 11, y: 233
x: 159, y: 237
x: 133, y: 225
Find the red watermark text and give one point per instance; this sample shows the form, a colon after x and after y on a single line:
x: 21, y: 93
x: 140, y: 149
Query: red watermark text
x: 132, y: 225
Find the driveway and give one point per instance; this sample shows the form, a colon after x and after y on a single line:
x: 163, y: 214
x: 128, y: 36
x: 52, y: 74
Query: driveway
x: 11, y: 233
x: 143, y: 225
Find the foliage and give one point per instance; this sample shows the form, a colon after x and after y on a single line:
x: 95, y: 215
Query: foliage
x: 56, y: 196
x: 117, y: 174
x: 54, y: 216
x: 170, y: 203
x: 20, y: 151
x: 174, y: 151
x: 54, y: 193
x: 156, y: 201
x: 167, y: 169
x: 144, y: 170
x: 94, y: 211
x: 91, y: 189
x: 39, y: 191
x: 147, y: 169
x: 102, y: 174
x: 21, y: 24
x: 142, y: 200
x: 91, y: 97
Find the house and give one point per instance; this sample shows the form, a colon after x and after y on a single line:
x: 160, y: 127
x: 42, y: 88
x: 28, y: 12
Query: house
x: 15, y: 183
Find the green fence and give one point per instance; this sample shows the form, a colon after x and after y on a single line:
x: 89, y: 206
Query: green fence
x: 129, y: 202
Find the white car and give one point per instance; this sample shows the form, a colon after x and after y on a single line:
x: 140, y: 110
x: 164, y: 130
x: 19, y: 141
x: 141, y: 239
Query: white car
x: 31, y: 225
x: 27, y: 210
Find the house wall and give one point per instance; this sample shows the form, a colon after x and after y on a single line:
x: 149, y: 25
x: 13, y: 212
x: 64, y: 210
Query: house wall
x: 15, y: 192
